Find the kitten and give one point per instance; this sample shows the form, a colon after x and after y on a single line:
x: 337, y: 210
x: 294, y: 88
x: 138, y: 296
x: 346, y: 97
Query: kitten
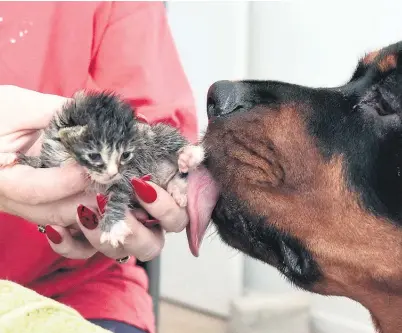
x: 100, y: 132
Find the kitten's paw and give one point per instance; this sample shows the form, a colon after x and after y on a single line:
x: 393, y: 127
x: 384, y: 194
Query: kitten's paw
x: 177, y: 188
x: 190, y: 157
x: 117, y: 234
x: 178, y: 196
x: 8, y: 159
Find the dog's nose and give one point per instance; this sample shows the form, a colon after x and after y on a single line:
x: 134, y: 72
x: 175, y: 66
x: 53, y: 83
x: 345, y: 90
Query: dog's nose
x: 221, y: 98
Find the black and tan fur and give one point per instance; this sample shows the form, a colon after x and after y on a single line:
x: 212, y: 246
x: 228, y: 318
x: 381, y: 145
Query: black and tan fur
x: 311, y: 180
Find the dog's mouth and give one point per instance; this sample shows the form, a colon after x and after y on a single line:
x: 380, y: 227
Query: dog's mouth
x: 203, y: 193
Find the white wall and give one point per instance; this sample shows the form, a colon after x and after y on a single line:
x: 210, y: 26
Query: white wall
x: 209, y: 51
x: 316, y: 44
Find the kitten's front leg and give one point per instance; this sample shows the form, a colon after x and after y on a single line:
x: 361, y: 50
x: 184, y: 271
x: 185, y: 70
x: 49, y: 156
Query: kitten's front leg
x: 113, y: 226
x: 32, y: 161
x: 10, y: 159
x: 190, y: 157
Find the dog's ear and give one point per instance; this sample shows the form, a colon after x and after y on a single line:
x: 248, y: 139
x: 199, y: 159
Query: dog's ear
x: 380, y: 61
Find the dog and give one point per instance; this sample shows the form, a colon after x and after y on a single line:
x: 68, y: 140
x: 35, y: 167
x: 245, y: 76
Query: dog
x: 309, y: 181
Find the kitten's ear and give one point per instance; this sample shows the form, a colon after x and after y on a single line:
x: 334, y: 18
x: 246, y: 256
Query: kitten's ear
x: 72, y: 134
x: 80, y: 98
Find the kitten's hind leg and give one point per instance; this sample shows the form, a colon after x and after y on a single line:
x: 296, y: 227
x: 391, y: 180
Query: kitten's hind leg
x: 190, y: 157
x: 113, y: 226
x: 177, y: 188
x: 32, y: 161
x: 8, y: 159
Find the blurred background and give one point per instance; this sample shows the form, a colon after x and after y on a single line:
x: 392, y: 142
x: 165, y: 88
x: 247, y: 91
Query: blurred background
x: 303, y: 42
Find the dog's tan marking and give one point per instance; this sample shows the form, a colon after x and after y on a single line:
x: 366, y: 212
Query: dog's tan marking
x: 384, y: 64
x: 369, y: 58
x: 388, y: 62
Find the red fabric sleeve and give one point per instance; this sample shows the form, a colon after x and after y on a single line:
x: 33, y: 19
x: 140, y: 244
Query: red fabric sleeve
x: 134, y: 55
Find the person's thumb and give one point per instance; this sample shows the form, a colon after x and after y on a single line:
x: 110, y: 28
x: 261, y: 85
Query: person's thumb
x: 34, y: 186
x: 27, y: 109
x: 46, y: 109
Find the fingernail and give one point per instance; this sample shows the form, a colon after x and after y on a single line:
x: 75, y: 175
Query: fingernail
x: 150, y: 223
x: 146, y: 178
x: 102, y: 201
x: 144, y: 191
x: 87, y: 217
x: 53, y: 235
x: 142, y: 118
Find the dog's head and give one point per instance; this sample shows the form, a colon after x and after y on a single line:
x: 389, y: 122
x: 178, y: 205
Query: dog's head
x: 310, y: 179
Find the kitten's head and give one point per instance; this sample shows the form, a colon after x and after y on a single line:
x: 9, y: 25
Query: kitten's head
x: 105, y: 143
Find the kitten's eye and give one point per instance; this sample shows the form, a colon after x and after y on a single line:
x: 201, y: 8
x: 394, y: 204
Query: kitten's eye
x: 95, y: 157
x: 126, y: 156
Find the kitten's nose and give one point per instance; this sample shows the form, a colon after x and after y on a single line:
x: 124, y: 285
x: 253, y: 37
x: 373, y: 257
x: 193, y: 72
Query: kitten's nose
x: 112, y: 170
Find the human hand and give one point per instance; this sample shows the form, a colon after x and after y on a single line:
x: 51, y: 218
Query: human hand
x: 39, y: 195
x: 51, y: 196
x: 147, y: 238
x: 23, y: 114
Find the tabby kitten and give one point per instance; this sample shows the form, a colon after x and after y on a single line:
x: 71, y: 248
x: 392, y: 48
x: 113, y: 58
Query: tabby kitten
x: 101, y: 133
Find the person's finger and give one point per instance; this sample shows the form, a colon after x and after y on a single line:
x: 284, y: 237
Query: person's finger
x: 46, y: 109
x: 88, y: 221
x: 61, y: 212
x: 140, y: 214
x: 161, y: 205
x: 35, y: 186
x: 41, y: 108
x: 142, y: 242
x: 23, y: 141
x: 63, y: 243
x: 145, y: 242
x: 35, y: 147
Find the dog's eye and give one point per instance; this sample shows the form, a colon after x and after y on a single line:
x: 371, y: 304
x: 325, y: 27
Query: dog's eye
x: 383, y: 107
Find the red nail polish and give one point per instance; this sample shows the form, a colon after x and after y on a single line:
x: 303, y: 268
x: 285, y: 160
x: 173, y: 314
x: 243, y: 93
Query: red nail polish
x: 102, y: 201
x: 150, y: 223
x: 146, y: 178
x: 53, y: 235
x: 87, y: 217
x: 144, y: 191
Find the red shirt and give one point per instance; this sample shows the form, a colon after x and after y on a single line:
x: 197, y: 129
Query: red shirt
x: 59, y: 48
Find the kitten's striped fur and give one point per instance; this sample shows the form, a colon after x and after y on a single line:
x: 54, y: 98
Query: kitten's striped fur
x: 101, y: 133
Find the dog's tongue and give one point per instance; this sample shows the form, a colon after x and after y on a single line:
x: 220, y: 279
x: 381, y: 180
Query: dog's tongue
x: 202, y: 195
